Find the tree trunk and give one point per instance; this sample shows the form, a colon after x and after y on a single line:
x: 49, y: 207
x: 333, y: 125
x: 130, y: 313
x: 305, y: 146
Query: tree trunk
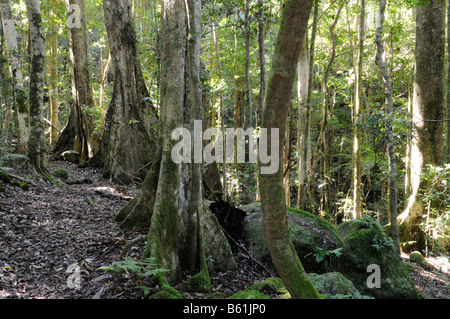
x: 326, y: 111
x: 182, y: 230
x: 380, y: 61
x: 357, y: 119
x: 249, y: 168
x: 291, y: 35
x: 129, y: 136
x: 408, y: 145
x: 302, y: 125
x: 309, y: 185
x: 36, y: 144
x: 287, y: 157
x: 20, y: 95
x: 447, y: 160
x: 428, y: 110
x: 53, y: 83
x: 262, y: 76
x: 77, y: 134
x: 262, y: 61
x: 6, y: 125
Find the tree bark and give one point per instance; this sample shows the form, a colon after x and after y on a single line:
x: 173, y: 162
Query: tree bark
x: 20, y: 95
x: 309, y: 185
x: 181, y: 229
x: 262, y: 76
x: 78, y: 133
x: 221, y: 113
x: 447, y: 160
x: 129, y: 136
x: 262, y: 61
x: 249, y: 168
x: 357, y: 119
x: 291, y: 35
x: 428, y: 110
x: 302, y: 125
x: 326, y: 112
x: 36, y: 145
x: 380, y: 61
x: 53, y: 83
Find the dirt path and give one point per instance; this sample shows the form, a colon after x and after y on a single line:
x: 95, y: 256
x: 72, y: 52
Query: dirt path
x: 47, y: 232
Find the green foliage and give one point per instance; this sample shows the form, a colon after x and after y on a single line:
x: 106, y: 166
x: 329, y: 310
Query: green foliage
x: 136, y: 268
x: 8, y: 160
x: 436, y: 198
x: 321, y: 254
x: 61, y: 173
x: 382, y: 242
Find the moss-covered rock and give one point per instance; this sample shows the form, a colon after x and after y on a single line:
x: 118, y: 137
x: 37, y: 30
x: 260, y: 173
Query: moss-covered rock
x: 367, y: 244
x: 263, y: 290
x: 334, y: 285
x: 417, y: 258
x: 249, y: 294
x: 61, y: 173
x: 272, y: 284
x: 310, y: 235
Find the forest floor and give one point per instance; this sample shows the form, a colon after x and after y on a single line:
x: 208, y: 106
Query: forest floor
x: 47, y: 230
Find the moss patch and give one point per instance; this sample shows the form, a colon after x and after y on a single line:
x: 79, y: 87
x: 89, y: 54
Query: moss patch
x: 167, y: 291
x: 61, y: 173
x: 334, y: 285
x: 308, y: 234
x: 263, y: 290
x: 249, y: 294
x: 199, y: 283
x: 367, y: 244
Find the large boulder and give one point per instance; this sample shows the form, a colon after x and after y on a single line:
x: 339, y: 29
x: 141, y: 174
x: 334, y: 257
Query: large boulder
x: 356, y: 249
x: 331, y: 285
x: 316, y: 241
x: 369, y: 250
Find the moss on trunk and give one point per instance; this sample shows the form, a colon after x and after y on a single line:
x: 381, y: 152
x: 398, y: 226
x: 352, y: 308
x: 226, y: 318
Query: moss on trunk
x: 276, y: 231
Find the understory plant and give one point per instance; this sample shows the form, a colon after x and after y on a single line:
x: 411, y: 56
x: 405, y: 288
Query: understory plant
x: 435, y: 196
x: 136, y: 269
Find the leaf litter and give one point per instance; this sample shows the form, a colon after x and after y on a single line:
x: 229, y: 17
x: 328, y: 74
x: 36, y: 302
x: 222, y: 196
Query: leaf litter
x: 47, y: 230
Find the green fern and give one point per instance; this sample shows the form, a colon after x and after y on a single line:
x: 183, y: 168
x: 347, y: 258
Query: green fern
x: 7, y: 159
x: 138, y: 268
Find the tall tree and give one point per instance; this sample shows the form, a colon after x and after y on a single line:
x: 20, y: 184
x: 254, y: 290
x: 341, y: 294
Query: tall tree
x: 128, y: 140
x: 77, y: 134
x: 380, y: 61
x: 322, y: 142
x: 302, y: 125
x: 53, y: 81
x: 262, y: 61
x: 36, y: 145
x: 447, y: 160
x: 357, y: 119
x: 308, y: 186
x: 170, y: 201
x: 290, y: 39
x: 428, y: 110
x: 249, y: 167
x: 20, y: 95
